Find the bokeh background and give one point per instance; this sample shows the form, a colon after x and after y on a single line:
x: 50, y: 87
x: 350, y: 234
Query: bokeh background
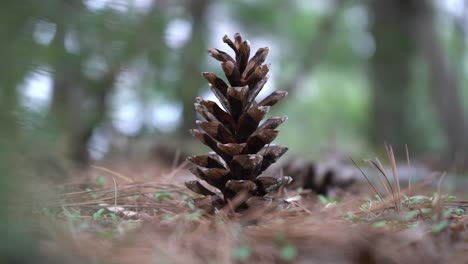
x: 89, y: 79
x: 85, y: 81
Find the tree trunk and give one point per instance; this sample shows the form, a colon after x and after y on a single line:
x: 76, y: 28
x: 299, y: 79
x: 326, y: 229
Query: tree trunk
x: 67, y: 97
x: 81, y: 136
x: 444, y: 86
x: 192, y: 57
x: 390, y: 73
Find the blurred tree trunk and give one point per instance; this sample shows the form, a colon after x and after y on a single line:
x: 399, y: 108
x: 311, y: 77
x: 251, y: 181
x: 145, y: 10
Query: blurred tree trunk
x: 399, y: 27
x: 79, y: 104
x: 75, y: 123
x: 81, y: 135
x: 192, y: 57
x: 70, y: 91
x: 68, y: 95
x: 444, y: 86
x: 390, y: 73
x: 64, y: 69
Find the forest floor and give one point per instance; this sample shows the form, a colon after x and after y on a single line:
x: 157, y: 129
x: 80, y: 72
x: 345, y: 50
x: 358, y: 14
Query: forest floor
x: 143, y: 214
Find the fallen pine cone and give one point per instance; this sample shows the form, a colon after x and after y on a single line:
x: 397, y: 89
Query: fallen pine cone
x: 241, y: 146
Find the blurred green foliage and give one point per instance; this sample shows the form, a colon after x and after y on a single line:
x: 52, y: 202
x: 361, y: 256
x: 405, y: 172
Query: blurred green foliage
x: 101, y: 65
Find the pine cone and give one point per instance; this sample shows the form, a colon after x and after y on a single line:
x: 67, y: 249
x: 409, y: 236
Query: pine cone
x: 241, y: 145
x: 320, y: 177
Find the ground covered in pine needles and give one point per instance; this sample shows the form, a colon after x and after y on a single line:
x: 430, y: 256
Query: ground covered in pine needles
x: 126, y: 215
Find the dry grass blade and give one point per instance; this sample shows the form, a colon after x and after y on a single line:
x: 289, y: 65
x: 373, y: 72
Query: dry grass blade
x: 388, y: 186
x: 437, y: 202
x: 409, y: 167
x: 116, y: 174
x: 393, y: 164
x: 233, y: 204
x: 378, y: 173
x: 384, y: 173
x: 367, y: 178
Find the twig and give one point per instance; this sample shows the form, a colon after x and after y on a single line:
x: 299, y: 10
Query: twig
x: 115, y: 189
x: 116, y: 174
x: 302, y: 207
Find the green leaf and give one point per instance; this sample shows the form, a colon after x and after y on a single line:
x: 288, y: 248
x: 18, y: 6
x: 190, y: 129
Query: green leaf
x: 113, y: 217
x: 406, y: 198
x: 379, y: 224
x: 451, y: 198
x: 410, y: 215
x: 98, y: 214
x: 195, y: 215
x: 377, y: 197
x: 417, y: 199
x: 439, y: 227
x: 92, y: 195
x: 288, y: 253
x: 325, y: 200
x: 191, y: 205
x: 457, y: 211
x: 161, y: 195
x: 101, y: 180
x: 241, y: 253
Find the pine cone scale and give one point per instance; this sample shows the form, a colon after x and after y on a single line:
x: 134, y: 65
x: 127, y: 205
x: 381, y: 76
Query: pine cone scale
x: 207, y: 161
x: 197, y: 187
x: 217, y: 131
x: 216, y: 82
x: 246, y: 166
x: 273, y: 98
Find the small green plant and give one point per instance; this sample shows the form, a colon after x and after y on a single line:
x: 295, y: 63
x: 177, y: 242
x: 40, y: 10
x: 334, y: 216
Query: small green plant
x: 241, y: 253
x: 101, y: 180
x: 288, y: 252
x: 162, y: 195
x: 439, y: 227
x: 98, y: 214
x: 379, y: 224
x: 411, y: 215
x: 91, y: 193
x: 456, y: 211
x: 194, y: 215
x: 325, y: 200
x: 103, y: 214
x: 191, y: 205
